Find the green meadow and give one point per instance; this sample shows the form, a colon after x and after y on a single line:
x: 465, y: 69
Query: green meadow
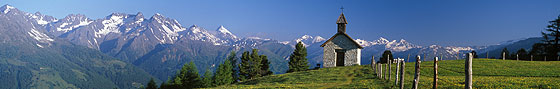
x: 487, y: 73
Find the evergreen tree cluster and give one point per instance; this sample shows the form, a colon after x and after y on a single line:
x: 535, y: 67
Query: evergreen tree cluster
x: 298, y: 60
x: 548, y: 49
x: 186, y: 78
x: 253, y: 65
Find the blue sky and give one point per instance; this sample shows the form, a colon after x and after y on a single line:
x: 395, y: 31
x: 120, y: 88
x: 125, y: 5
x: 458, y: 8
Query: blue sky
x: 423, y: 22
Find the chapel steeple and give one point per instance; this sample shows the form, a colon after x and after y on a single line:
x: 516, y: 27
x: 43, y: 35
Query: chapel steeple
x: 341, y: 22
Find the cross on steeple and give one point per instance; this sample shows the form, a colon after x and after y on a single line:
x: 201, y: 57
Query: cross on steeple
x: 341, y: 22
x: 342, y: 8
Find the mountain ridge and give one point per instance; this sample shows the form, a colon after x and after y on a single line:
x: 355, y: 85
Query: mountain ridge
x: 161, y: 45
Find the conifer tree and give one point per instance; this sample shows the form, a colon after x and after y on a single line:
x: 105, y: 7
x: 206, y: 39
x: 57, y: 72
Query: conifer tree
x: 244, y: 66
x: 552, y: 38
x: 187, y: 77
x: 207, y: 79
x: 232, y: 57
x: 265, y: 70
x: 255, y: 67
x: 298, y: 60
x: 151, y: 84
x: 223, y: 74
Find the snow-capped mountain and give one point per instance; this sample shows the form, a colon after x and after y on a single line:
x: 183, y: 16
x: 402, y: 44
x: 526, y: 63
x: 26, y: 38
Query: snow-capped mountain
x: 401, y: 45
x: 160, y: 45
x: 400, y: 48
x: 225, y: 34
x: 199, y: 33
x: 147, y: 42
x: 306, y: 40
x: 67, y: 24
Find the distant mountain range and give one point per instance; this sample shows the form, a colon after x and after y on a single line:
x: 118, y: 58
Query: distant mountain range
x: 159, y: 46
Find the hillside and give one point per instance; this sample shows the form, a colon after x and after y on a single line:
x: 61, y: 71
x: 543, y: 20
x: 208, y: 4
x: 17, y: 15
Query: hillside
x: 31, y: 59
x: 65, y: 66
x: 487, y: 73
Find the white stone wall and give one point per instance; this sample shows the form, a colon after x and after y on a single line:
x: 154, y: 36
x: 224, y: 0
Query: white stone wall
x: 352, y: 54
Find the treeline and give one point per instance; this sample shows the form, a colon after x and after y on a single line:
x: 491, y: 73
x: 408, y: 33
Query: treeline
x: 251, y: 66
x: 549, y: 49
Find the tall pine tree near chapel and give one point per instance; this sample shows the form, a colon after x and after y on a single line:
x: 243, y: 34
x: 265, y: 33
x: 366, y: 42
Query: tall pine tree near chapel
x: 298, y: 60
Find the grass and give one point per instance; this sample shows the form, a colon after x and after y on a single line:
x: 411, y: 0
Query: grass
x: 487, y: 73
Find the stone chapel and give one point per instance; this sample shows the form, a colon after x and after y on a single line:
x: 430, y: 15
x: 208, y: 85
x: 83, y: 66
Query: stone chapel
x: 341, y: 49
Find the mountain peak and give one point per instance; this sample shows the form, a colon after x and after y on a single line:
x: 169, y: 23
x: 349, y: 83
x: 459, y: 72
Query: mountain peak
x: 381, y: 40
x: 75, y: 15
x: 308, y: 39
x: 225, y: 33
x: 402, y: 41
x: 139, y: 14
x: 223, y: 30
x: 195, y: 29
x: 158, y: 16
x: 38, y: 13
x: 118, y: 14
x: 6, y: 8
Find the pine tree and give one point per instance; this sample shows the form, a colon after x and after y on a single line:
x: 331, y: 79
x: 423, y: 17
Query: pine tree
x: 506, y: 52
x: 298, y: 60
x: 224, y: 74
x: 265, y: 70
x: 232, y: 57
x: 383, y: 58
x: 244, y: 66
x: 151, y: 84
x: 207, y: 79
x: 552, y: 38
x: 253, y: 65
x: 187, y: 77
x: 256, y: 65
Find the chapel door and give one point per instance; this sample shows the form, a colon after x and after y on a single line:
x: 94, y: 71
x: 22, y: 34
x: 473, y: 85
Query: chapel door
x: 339, y: 57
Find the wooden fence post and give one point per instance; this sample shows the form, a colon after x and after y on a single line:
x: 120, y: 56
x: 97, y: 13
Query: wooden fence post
x: 389, y: 62
x: 397, y: 71
x: 402, y: 74
x: 504, y: 56
x: 381, y: 70
x: 517, y: 56
x: 416, y: 73
x: 377, y: 70
x: 435, y: 72
x: 487, y: 54
x: 531, y: 57
x: 373, y: 63
x: 386, y: 70
x: 468, y: 71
